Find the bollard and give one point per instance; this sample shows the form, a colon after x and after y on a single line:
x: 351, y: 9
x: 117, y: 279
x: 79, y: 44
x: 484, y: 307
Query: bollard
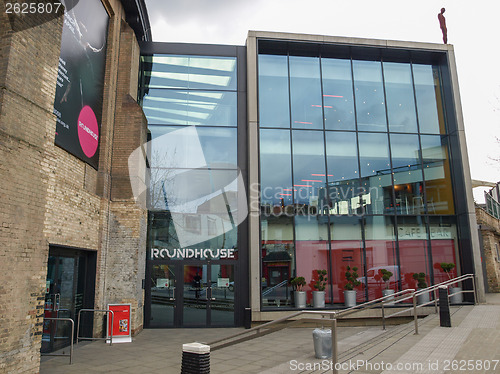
x: 195, y: 358
x: 247, y: 318
x: 444, y: 307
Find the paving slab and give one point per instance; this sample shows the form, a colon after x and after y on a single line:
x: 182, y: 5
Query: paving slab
x: 473, y: 342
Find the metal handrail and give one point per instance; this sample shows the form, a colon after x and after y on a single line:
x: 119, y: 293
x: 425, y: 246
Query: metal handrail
x: 270, y: 289
x: 394, y: 298
x: 334, y: 315
x: 107, y: 311
x: 71, y: 341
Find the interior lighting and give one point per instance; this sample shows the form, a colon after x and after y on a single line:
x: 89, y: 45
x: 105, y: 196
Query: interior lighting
x: 285, y: 194
x: 333, y: 96
x: 304, y: 123
x: 311, y: 180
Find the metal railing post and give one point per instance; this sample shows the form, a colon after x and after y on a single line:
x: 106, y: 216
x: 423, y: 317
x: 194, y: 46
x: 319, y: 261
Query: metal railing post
x: 108, y: 312
x: 415, y: 316
x: 383, y: 316
x: 334, y: 345
x: 474, y: 289
x: 72, y: 337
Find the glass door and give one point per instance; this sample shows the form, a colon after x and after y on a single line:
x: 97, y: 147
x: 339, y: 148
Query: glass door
x: 208, y: 295
x: 163, y: 296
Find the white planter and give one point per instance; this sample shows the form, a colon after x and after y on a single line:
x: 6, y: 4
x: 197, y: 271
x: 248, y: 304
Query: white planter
x: 350, y: 298
x: 300, y: 299
x: 319, y: 299
x: 387, y: 293
x: 456, y: 299
x: 423, y: 298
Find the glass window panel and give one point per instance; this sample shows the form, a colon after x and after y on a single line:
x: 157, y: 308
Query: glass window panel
x: 380, y: 242
x: 311, y: 250
x: 337, y: 94
x: 193, y: 72
x: 305, y: 93
x: 376, y: 182
x: 278, y: 260
x: 369, y: 92
x: 222, y: 303
x: 444, y: 245
x: 171, y: 231
x: 413, y: 250
x: 400, y: 99
x: 429, y: 100
x: 408, y: 178
x: 275, y: 170
x: 202, y: 108
x: 309, y: 170
x: 346, y: 250
x: 163, y: 284
x: 202, y: 147
x: 274, y: 101
x: 343, y: 176
x: 437, y: 174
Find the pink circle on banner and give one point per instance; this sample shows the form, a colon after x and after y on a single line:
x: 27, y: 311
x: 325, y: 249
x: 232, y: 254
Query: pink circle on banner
x: 88, y: 131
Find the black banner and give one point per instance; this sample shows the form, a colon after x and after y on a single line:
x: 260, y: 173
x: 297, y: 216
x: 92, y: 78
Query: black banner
x: 80, y: 80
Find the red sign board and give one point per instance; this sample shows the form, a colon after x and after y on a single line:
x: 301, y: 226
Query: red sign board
x: 121, y: 322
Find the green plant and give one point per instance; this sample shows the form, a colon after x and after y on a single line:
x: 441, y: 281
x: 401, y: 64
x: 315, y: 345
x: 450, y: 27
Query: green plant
x: 352, y: 278
x: 298, y: 283
x: 420, y: 278
x: 321, y: 282
x: 386, y: 275
x: 447, y: 268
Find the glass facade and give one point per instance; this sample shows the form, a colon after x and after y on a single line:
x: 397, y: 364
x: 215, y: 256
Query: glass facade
x: 191, y: 106
x: 354, y: 172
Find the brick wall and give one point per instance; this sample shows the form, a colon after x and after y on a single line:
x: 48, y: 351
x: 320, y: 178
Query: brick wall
x: 28, y: 71
x: 490, y: 236
x: 49, y: 196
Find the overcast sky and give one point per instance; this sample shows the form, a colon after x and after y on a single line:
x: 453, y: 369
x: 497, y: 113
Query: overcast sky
x: 473, y: 29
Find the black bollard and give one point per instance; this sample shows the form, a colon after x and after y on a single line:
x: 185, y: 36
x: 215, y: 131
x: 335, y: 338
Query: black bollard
x: 247, y: 318
x: 195, y: 358
x: 444, y: 307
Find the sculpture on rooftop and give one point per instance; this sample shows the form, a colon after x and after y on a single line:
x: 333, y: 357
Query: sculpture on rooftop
x: 442, y: 24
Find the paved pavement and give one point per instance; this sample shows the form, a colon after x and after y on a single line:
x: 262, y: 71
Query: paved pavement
x: 471, y: 345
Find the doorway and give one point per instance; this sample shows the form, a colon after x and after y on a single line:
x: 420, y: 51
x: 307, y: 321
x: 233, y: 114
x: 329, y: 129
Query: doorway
x: 70, y: 286
x: 194, y: 294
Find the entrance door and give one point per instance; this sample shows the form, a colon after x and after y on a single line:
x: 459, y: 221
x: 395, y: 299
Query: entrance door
x: 194, y: 295
x: 64, y: 295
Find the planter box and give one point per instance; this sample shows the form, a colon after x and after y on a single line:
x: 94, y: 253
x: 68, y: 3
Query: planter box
x: 319, y: 299
x: 350, y: 298
x: 300, y: 299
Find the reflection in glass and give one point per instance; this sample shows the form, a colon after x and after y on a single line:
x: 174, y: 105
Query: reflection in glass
x: 369, y: 93
x: 195, y: 107
x: 400, y: 98
x: 429, y: 100
x: 444, y: 245
x: 278, y: 260
x: 375, y: 172
x: 408, y: 179
x: 437, y: 175
x: 380, y: 242
x: 195, y: 295
x: 218, y: 148
x: 347, y: 250
x: 192, y: 72
x: 222, y: 293
x: 413, y: 250
x: 343, y: 176
x: 275, y: 170
x: 311, y: 250
x: 337, y: 94
x: 162, y: 295
x: 309, y: 170
x: 273, y: 91
x: 305, y: 93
